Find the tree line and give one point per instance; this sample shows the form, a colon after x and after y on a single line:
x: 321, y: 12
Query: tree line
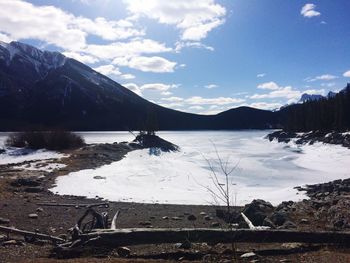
x: 326, y: 114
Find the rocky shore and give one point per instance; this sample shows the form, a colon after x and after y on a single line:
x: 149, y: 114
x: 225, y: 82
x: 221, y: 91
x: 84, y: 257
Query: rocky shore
x: 332, y: 137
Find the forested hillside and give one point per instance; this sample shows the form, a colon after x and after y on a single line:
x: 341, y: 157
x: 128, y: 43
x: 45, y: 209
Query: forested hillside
x: 325, y: 114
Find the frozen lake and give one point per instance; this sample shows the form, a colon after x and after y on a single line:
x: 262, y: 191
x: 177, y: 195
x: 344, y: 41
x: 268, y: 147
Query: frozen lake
x: 266, y: 170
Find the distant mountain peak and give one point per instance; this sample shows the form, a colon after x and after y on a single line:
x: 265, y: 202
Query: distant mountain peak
x: 310, y: 97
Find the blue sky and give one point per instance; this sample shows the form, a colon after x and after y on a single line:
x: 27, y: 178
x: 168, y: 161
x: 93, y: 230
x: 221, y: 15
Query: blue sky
x: 201, y: 56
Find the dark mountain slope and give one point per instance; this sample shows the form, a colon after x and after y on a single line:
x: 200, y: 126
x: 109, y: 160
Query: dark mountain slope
x: 40, y: 88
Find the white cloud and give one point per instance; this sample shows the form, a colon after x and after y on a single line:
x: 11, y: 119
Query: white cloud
x: 22, y: 20
x: 134, y: 88
x: 266, y: 105
x: 127, y: 76
x: 211, y: 86
x: 158, y: 86
x: 268, y: 85
x: 81, y: 57
x: 112, y: 71
x: 329, y: 85
x: 325, y: 77
x: 180, y: 45
x: 172, y: 105
x: 173, y: 99
x: 147, y: 64
x: 108, y: 30
x: 163, y: 89
x: 287, y: 92
x: 308, y: 10
x: 261, y: 75
x: 197, y: 100
x: 108, y: 70
x: 166, y: 93
x: 194, y: 18
x: 128, y: 49
x: 347, y: 74
x: 5, y: 38
x: 196, y: 108
x: 282, y: 92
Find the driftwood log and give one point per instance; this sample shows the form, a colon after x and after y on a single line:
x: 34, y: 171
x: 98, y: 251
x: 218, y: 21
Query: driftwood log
x: 9, y: 230
x: 142, y: 236
x: 73, y: 205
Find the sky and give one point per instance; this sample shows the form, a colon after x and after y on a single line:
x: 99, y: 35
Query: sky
x: 200, y: 56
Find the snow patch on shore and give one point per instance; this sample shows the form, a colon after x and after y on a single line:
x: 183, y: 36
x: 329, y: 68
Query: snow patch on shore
x: 20, y: 155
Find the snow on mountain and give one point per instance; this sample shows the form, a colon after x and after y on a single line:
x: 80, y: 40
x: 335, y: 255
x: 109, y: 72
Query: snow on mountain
x: 310, y: 97
x: 42, y: 61
x: 331, y: 94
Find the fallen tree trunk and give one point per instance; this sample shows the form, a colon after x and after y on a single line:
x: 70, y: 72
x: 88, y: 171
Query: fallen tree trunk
x: 142, y: 236
x: 73, y: 205
x: 31, y: 234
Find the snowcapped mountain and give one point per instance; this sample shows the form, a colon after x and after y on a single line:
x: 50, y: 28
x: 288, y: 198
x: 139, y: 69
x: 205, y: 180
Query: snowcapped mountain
x: 331, y: 94
x: 310, y: 97
x: 42, y: 88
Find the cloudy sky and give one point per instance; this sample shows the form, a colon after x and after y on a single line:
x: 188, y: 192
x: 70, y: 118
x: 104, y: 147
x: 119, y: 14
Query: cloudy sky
x: 201, y: 56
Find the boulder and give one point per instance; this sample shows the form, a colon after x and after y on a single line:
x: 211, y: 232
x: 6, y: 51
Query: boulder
x: 257, y: 211
x: 279, y: 217
x: 184, y: 245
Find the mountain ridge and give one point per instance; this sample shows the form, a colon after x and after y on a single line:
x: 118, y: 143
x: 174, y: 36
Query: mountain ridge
x: 48, y: 89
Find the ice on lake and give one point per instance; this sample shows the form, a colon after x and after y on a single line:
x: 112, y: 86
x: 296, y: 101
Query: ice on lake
x: 265, y: 170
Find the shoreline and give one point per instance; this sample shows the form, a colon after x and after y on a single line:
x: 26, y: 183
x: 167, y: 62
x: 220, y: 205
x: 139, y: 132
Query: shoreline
x: 303, y: 138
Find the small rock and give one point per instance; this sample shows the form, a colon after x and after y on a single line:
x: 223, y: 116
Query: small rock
x: 99, y: 177
x: 215, y: 224
x: 40, y: 210
x: 208, y: 218
x: 4, y: 221
x: 145, y: 223
x: 33, y: 216
x: 248, y: 255
x: 176, y: 218
x: 184, y: 245
x: 203, y: 213
x: 123, y: 252
x: 304, y: 221
x: 192, y: 218
x: 3, y: 237
x: 12, y: 243
x: 289, y: 225
x: 165, y: 217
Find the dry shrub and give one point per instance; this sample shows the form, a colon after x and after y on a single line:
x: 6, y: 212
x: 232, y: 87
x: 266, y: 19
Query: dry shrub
x: 50, y: 140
